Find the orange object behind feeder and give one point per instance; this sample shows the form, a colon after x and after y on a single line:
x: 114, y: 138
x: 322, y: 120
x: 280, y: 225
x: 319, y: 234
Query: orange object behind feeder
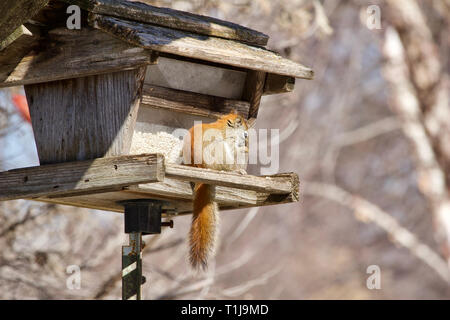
x: 20, y: 102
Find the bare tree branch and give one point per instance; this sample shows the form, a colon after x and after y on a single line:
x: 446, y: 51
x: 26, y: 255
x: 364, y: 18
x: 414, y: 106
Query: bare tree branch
x: 368, y: 212
x: 413, y: 70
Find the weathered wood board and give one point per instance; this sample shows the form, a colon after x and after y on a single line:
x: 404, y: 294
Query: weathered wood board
x: 182, y: 191
x: 14, y: 13
x: 191, y: 103
x: 101, y: 183
x: 227, y: 197
x: 179, y: 195
x: 199, y: 47
x: 89, y: 176
x: 108, y: 201
x: 171, y: 18
x: 11, y: 56
x: 253, y: 91
x: 85, y: 118
x: 272, y: 184
x: 69, y: 54
x: 21, y: 31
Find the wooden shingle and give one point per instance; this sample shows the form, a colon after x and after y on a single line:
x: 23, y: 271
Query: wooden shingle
x: 174, y: 19
x: 200, y: 47
x: 13, y: 13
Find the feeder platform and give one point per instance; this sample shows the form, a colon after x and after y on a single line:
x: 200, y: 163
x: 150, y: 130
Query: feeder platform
x: 103, y: 183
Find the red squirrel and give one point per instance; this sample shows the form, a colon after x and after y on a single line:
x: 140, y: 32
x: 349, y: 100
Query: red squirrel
x: 221, y: 145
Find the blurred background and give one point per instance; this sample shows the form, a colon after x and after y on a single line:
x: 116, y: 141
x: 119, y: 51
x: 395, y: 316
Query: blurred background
x: 369, y: 138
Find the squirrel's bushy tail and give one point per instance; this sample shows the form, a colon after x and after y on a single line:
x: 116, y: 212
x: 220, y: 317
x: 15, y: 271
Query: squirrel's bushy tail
x: 203, y: 234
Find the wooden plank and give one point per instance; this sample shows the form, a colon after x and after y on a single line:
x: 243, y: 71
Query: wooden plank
x: 105, y: 203
x: 191, y: 103
x: 16, y: 12
x: 78, y: 176
x: 21, y: 31
x: 175, y: 19
x: 109, y: 201
x: 278, y: 84
x: 15, y: 51
x: 73, y: 53
x: 253, y: 91
x: 85, y: 118
x: 272, y: 184
x: 200, y: 47
x: 228, y: 198
x: 178, y: 190
x: 177, y: 193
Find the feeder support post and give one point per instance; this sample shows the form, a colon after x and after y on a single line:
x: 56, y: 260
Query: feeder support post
x: 132, y: 268
x: 142, y: 217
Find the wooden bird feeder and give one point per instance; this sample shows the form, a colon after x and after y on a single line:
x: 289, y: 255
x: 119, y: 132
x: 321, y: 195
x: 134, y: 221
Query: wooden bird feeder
x: 133, y: 68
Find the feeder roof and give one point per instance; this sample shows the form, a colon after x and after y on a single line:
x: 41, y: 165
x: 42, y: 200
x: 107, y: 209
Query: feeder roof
x: 189, y: 35
x: 174, y: 19
x: 14, y: 13
x: 29, y: 28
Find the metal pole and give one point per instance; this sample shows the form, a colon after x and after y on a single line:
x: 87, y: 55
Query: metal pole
x: 142, y: 217
x: 132, y: 268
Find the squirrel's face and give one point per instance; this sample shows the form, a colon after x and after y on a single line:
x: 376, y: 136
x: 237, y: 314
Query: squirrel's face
x: 239, y: 129
x: 237, y: 122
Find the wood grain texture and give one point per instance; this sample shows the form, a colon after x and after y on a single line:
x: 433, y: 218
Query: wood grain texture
x: 21, y: 31
x: 171, y: 18
x: 178, y: 190
x: 11, y: 56
x: 14, y: 13
x: 200, y: 47
x: 191, y: 103
x: 253, y: 91
x: 66, y: 54
x: 271, y: 184
x: 107, y: 201
x: 101, y: 183
x: 278, y: 84
x: 85, y: 118
x: 177, y: 193
x: 89, y: 176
